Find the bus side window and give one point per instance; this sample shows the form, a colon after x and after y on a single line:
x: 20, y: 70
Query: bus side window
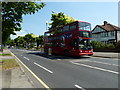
x: 63, y: 41
x: 73, y: 26
x: 65, y: 28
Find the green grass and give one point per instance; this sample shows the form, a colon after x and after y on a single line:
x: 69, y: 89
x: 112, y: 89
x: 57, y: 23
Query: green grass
x: 8, y: 64
x: 5, y: 54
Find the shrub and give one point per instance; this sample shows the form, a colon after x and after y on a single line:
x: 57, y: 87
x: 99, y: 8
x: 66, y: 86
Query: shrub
x: 97, y: 44
x: 100, y: 45
x: 118, y: 44
x: 94, y: 43
x: 110, y: 45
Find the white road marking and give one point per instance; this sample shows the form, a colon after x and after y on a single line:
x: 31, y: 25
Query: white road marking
x: 105, y: 63
x: 95, y: 68
x: 77, y: 86
x: 96, y: 62
x: 43, y: 67
x: 26, y: 58
x: 106, y: 58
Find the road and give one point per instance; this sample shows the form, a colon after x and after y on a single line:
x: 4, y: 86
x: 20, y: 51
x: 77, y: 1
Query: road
x: 67, y: 72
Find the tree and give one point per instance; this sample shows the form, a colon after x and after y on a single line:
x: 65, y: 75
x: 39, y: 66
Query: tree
x: 10, y: 42
x: 40, y: 40
x: 12, y: 16
x: 30, y: 40
x: 19, y: 41
x: 60, y: 19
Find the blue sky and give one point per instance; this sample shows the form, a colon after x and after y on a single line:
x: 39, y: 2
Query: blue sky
x: 93, y: 12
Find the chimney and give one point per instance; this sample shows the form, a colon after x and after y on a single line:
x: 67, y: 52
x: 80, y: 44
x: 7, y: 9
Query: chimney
x: 105, y: 23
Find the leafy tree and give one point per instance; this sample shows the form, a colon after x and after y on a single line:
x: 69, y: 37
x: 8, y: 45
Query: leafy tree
x: 40, y: 40
x: 19, y: 41
x: 10, y: 42
x: 12, y: 16
x: 30, y: 39
x: 60, y: 19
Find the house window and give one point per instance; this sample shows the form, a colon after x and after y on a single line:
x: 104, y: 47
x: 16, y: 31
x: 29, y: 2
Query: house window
x: 102, y: 34
x: 112, y: 33
x: 94, y: 35
x: 107, y: 34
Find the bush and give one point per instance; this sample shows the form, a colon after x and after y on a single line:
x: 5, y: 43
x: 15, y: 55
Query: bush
x: 110, y: 46
x: 94, y: 43
x: 97, y: 44
x: 100, y: 45
x: 118, y: 44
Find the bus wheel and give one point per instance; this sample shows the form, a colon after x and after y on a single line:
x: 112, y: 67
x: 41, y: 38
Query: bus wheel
x: 66, y: 52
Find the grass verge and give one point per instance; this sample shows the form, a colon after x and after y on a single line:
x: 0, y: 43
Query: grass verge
x: 5, y: 54
x: 8, y: 64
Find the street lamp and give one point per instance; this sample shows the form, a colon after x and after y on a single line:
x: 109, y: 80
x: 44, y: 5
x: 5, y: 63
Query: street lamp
x: 46, y: 25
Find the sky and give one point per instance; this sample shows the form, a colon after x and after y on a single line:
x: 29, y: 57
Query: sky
x: 92, y: 12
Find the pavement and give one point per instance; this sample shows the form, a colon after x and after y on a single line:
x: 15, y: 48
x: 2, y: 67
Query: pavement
x: 15, y: 77
x: 107, y: 55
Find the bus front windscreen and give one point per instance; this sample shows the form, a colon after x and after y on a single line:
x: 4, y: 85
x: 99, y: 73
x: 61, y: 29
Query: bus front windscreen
x: 85, y: 44
x: 85, y: 34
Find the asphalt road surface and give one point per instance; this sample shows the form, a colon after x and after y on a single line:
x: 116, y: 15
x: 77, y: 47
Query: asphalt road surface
x: 68, y: 72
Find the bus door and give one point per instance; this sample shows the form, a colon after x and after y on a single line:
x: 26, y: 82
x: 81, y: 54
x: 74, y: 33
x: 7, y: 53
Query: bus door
x: 62, y: 45
x: 74, y: 47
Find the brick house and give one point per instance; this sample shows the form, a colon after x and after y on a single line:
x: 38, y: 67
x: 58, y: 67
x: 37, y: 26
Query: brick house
x: 106, y: 33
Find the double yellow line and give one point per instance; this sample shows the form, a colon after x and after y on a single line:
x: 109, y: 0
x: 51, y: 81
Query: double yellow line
x: 31, y: 72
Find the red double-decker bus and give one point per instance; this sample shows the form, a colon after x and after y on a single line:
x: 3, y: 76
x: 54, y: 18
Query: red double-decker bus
x: 72, y: 39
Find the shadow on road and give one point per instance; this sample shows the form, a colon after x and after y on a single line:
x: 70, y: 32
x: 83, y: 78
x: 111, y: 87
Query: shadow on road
x: 53, y: 57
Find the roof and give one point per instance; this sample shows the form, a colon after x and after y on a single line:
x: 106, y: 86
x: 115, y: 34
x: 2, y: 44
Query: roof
x: 109, y: 27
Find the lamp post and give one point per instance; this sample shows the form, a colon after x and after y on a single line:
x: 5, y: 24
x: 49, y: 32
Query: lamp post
x: 46, y: 25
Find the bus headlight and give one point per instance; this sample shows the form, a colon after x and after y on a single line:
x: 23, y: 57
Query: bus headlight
x: 91, y: 51
x: 80, y: 51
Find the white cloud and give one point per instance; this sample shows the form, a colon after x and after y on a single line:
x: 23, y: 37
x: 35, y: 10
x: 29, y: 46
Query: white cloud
x: 18, y: 33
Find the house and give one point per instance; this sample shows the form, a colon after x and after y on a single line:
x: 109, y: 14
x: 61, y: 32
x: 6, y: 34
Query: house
x: 106, y: 33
